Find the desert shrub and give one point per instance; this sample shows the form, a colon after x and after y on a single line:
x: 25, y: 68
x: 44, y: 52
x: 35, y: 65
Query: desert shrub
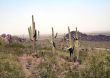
x: 73, y: 74
x: 51, y: 67
x: 83, y: 53
x: 97, y: 65
x: 9, y: 67
x: 15, y: 48
x: 15, y: 45
x: 45, y: 70
x: 2, y: 42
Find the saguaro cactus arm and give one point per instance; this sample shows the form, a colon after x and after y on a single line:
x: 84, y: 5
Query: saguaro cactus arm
x: 52, y: 34
x: 30, y: 33
x: 56, y: 35
x: 70, y: 39
x: 76, y: 36
x: 52, y: 41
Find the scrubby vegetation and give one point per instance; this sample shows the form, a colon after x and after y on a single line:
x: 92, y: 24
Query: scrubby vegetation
x: 16, y: 61
x: 10, y: 67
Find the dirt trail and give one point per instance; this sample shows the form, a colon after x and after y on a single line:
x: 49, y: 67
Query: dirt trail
x: 24, y: 60
x: 27, y: 63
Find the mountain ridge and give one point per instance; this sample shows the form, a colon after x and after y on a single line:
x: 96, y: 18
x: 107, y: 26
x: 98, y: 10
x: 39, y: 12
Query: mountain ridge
x: 89, y: 37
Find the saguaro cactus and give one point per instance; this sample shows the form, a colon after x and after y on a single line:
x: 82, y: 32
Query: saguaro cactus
x: 33, y: 34
x: 70, y: 38
x: 71, y: 49
x: 53, y: 40
x: 76, y: 44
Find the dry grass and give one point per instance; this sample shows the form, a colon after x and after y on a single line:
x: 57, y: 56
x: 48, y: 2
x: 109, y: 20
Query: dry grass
x: 94, y: 61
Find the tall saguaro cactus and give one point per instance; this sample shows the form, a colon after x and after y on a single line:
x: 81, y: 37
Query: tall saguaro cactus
x: 71, y: 49
x: 53, y: 40
x: 70, y: 38
x: 33, y: 34
x: 76, y: 44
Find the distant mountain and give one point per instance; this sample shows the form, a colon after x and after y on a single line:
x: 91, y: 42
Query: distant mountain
x: 10, y: 38
x: 83, y: 36
x: 102, y: 33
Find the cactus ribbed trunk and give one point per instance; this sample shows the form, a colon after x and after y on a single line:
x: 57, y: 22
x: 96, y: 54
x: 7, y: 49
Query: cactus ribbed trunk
x: 33, y: 27
x: 53, y: 42
x: 76, y: 44
x: 34, y: 46
x: 70, y: 39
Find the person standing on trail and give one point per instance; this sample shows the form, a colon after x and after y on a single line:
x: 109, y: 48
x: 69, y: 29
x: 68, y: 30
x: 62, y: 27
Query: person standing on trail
x: 71, y: 50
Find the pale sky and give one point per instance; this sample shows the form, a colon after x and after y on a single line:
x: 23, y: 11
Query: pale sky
x: 87, y: 15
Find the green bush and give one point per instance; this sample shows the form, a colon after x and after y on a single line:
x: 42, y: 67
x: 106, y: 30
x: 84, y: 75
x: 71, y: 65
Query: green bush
x: 9, y: 67
x: 15, y: 45
x: 97, y: 65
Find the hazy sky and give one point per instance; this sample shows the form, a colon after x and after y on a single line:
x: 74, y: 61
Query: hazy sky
x: 87, y: 15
